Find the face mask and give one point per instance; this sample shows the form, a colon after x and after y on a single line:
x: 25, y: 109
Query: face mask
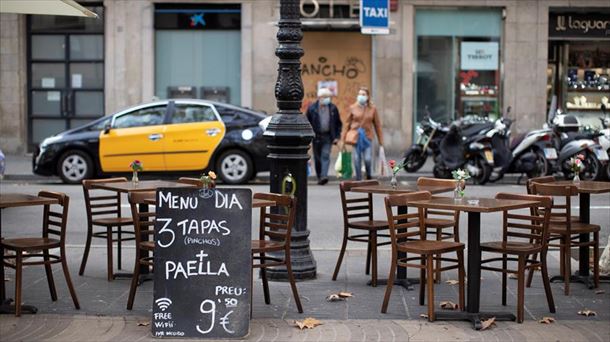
x: 362, y: 99
x: 326, y: 101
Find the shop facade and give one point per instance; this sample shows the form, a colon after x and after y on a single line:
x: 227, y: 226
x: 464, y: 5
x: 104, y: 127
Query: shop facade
x: 444, y: 58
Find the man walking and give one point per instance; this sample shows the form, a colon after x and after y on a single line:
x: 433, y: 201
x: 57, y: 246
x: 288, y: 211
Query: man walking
x: 326, y: 123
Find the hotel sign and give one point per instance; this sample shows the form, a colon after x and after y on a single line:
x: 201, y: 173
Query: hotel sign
x: 579, y: 25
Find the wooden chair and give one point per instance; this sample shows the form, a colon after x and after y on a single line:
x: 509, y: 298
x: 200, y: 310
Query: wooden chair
x: 562, y: 228
x: 275, y: 232
x: 144, y: 223
x: 523, y: 236
x: 192, y: 181
x: 358, y: 215
x: 442, y: 219
x: 53, y: 236
x: 545, y: 180
x: 408, y: 235
x: 104, y: 210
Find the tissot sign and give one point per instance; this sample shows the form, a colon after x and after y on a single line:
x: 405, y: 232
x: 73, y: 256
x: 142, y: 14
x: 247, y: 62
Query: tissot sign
x: 375, y: 16
x: 566, y: 25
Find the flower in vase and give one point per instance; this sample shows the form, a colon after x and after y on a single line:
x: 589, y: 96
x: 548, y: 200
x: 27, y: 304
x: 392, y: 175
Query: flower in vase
x: 209, y: 180
x: 577, y: 164
x: 136, y: 165
x: 460, y: 174
x: 395, y: 167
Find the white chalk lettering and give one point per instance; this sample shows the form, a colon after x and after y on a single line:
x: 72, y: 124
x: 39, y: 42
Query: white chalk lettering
x: 164, y: 230
x: 190, y: 227
x: 194, y: 268
x: 230, y: 290
x: 223, y: 201
x: 177, y: 202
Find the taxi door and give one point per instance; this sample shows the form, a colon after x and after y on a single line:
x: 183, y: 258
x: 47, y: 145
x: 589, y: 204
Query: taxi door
x: 193, y: 132
x: 138, y: 134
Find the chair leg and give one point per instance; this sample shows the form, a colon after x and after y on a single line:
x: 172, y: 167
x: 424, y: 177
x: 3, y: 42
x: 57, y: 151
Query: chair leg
x: 341, y: 254
x: 134, y: 281
x: 388, y: 288
x: 49, y: 272
x: 437, y: 274
x: 546, y: 282
x: 530, y: 273
x: 18, y: 276
x: 504, y: 276
x: 83, y: 262
x: 119, y: 262
x: 264, y: 279
x: 374, y: 258
x: 461, y: 279
x: 367, y: 268
x: 293, y: 284
x: 430, y: 286
x: 520, y: 289
x: 109, y: 253
x: 596, y: 259
x: 64, y: 266
x: 422, y: 281
x: 567, y: 268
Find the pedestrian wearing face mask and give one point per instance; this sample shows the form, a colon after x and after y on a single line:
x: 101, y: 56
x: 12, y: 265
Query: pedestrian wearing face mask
x: 362, y: 124
x: 324, y: 118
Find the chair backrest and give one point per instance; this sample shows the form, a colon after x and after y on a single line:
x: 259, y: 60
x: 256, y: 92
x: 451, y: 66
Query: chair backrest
x: 561, y: 214
x: 143, y: 222
x: 277, y: 224
x: 55, y: 222
x: 427, y: 181
x: 542, y: 179
x: 356, y: 205
x: 409, y: 225
x: 192, y: 181
x: 102, y: 203
x: 532, y: 228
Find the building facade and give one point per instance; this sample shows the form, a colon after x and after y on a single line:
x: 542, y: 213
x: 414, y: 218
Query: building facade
x: 445, y: 58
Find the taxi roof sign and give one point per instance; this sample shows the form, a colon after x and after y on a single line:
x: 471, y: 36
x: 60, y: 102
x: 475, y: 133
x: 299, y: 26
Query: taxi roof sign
x: 375, y: 16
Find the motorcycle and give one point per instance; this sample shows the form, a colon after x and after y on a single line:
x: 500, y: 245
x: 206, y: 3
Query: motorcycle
x: 458, y: 150
x: 430, y: 135
x: 531, y: 153
x: 604, y: 138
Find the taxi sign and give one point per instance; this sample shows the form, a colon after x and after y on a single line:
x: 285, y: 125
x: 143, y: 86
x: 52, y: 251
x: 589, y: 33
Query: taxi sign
x: 375, y: 16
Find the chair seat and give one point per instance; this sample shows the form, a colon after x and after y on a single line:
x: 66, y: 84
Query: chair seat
x: 511, y: 247
x: 429, y: 246
x: 113, y: 221
x: 30, y: 243
x: 259, y: 246
x: 439, y: 223
x: 577, y: 228
x: 369, y: 225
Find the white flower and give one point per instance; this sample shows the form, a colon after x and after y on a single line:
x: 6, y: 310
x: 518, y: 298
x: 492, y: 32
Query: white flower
x: 461, y: 173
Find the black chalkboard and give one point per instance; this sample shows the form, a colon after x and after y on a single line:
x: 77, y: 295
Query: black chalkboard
x: 202, y: 263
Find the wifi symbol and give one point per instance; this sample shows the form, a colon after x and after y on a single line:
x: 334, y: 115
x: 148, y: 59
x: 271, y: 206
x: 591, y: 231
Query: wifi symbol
x: 163, y: 303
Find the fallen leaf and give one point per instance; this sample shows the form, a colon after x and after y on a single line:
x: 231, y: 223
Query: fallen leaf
x: 449, y: 305
x: 547, y: 320
x: 308, y: 323
x: 345, y: 294
x: 143, y: 324
x: 334, y: 298
x: 486, y: 324
x: 587, y: 312
x: 452, y: 282
x: 600, y: 291
x: 8, y: 279
x: 423, y: 316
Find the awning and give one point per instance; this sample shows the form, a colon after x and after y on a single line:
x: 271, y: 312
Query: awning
x: 45, y: 7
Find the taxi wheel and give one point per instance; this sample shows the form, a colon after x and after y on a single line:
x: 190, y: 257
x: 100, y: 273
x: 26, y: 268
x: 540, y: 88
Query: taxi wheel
x: 234, y: 167
x: 74, y: 166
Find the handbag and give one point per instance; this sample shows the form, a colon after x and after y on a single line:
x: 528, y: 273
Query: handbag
x: 338, y: 165
x: 346, y: 164
x: 351, y: 137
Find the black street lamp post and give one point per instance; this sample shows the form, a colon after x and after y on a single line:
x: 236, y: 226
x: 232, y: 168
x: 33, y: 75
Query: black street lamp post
x: 289, y: 135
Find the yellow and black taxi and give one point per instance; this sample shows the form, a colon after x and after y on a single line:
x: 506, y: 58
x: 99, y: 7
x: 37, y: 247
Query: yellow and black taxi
x: 171, y: 135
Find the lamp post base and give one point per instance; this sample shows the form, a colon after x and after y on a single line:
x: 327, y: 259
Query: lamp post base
x: 302, y: 260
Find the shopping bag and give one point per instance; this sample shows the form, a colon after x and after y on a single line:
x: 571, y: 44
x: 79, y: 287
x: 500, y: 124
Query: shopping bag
x: 383, y: 163
x: 338, y: 165
x: 346, y: 164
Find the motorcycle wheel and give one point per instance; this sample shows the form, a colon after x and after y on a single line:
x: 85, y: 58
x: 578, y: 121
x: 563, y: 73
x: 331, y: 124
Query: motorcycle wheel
x: 439, y: 173
x: 542, y: 165
x: 481, y: 164
x: 593, y: 168
x: 414, y: 160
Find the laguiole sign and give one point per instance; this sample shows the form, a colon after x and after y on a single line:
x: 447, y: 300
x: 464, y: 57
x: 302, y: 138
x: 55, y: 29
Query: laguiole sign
x: 579, y: 25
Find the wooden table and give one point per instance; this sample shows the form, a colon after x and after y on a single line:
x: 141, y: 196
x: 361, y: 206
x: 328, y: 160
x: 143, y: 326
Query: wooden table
x: 485, y: 205
x: 585, y: 189
x: 12, y: 200
x: 401, y: 274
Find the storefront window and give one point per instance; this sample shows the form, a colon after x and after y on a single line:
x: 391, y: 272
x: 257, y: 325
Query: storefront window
x: 457, y: 63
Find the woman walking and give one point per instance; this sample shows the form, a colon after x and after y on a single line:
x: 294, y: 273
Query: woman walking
x: 362, y: 118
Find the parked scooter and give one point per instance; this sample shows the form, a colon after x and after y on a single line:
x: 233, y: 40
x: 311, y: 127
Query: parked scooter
x: 604, y: 137
x: 430, y: 135
x: 472, y: 153
x: 530, y: 153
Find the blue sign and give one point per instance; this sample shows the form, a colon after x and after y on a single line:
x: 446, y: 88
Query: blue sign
x: 375, y: 16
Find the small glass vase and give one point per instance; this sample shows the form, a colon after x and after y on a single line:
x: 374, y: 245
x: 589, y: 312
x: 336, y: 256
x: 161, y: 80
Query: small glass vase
x: 458, y: 192
x: 576, y: 179
x: 134, y: 178
x: 394, y: 182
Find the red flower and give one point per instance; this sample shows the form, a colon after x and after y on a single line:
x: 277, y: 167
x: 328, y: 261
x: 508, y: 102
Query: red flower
x: 392, y: 163
x: 581, y: 156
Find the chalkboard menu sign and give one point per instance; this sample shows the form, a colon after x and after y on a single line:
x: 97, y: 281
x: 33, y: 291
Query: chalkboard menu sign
x: 202, y: 263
